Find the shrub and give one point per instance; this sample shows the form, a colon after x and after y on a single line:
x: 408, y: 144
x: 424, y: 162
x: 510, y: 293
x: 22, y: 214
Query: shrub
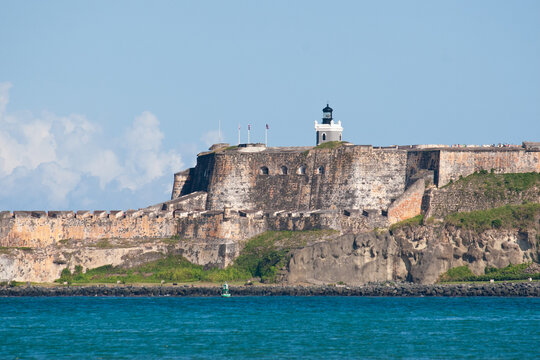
x: 510, y: 272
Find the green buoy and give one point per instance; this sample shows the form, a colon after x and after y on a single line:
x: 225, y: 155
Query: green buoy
x: 225, y: 290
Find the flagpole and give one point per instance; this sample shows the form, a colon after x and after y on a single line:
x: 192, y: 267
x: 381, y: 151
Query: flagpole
x: 249, y: 130
x: 238, y: 134
x: 266, y: 136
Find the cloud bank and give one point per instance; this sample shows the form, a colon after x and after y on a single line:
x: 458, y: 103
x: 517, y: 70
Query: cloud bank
x: 51, y: 161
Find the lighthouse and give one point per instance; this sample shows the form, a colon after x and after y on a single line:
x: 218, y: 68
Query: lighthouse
x: 328, y: 130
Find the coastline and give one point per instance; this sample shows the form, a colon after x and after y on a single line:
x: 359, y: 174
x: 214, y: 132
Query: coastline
x: 506, y: 289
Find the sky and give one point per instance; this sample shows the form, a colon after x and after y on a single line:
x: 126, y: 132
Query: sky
x: 102, y: 101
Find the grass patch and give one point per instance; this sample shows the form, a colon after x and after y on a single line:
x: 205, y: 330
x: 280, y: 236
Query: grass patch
x: 414, y: 221
x: 330, y: 145
x: 498, y: 186
x: 104, y: 244
x: 263, y: 256
x: 510, y: 272
x: 173, y: 240
x: 170, y: 269
x: 7, y: 249
x: 509, y: 216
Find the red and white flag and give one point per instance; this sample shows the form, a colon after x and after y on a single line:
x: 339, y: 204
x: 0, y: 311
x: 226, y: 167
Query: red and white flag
x: 267, y: 127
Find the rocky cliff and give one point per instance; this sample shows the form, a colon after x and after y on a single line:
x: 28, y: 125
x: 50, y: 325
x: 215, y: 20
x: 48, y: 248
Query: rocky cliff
x: 411, y: 253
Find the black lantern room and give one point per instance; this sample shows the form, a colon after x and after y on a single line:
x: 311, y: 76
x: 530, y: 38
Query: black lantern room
x: 327, y: 115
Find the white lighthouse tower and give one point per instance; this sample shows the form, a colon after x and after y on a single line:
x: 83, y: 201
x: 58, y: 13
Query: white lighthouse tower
x: 328, y: 130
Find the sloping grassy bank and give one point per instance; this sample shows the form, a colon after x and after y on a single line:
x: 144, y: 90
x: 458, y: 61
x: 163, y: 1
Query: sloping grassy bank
x: 522, y: 216
x: 497, y: 185
x: 506, y: 217
x: 511, y: 272
x: 263, y: 256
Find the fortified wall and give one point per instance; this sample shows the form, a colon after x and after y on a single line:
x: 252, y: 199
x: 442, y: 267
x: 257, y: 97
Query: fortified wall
x: 300, y: 179
x: 38, y: 229
x: 234, y: 193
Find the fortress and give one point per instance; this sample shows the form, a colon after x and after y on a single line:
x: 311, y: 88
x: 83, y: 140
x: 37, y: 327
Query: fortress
x: 236, y: 192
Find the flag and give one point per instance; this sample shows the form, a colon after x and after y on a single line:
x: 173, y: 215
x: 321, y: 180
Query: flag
x: 267, y: 127
x: 238, y: 126
x: 249, y: 127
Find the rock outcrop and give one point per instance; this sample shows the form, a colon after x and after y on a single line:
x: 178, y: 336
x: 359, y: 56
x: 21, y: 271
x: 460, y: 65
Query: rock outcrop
x: 418, y: 254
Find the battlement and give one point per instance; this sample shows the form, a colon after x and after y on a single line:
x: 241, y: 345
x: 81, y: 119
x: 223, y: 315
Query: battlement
x: 85, y: 214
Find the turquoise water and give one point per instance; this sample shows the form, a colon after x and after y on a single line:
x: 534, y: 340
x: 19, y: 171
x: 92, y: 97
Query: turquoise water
x: 270, y: 327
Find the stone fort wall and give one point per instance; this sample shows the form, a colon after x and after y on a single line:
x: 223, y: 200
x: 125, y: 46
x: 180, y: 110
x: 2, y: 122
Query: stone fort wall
x: 462, y: 162
x: 355, y: 177
x: 316, y: 187
x: 40, y: 229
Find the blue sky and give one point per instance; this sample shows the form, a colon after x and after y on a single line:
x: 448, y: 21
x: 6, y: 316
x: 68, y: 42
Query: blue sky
x: 102, y: 101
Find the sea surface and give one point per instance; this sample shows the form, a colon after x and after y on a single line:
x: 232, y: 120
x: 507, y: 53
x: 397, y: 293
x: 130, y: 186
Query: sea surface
x: 269, y: 327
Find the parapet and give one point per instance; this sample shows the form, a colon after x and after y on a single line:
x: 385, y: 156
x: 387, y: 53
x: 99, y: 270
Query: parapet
x: 25, y: 214
x: 218, y: 146
x: 100, y: 214
x: 61, y: 214
x: 83, y: 214
x: 531, y: 146
x: 6, y: 215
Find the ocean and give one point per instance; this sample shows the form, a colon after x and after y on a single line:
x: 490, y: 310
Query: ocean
x: 280, y: 327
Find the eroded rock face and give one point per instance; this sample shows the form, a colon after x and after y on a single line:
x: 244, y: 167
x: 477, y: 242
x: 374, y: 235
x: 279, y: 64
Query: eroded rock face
x: 44, y: 264
x: 419, y: 255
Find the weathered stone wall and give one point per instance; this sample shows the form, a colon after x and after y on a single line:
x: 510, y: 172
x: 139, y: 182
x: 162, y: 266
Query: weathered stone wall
x: 37, y: 229
x: 470, y: 197
x: 179, y: 182
x: 409, y: 204
x: 420, y: 161
x: 462, y: 162
x: 349, y: 177
x: 238, y: 226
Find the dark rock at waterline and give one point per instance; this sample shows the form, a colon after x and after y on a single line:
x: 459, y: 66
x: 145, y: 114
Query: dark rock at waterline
x: 527, y: 289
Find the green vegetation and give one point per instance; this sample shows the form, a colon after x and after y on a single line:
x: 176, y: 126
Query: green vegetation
x: 459, y: 273
x: 173, y: 240
x: 266, y: 253
x: 6, y: 249
x: 498, y: 186
x: 330, y: 145
x: 262, y: 257
x: 171, y: 268
x: 509, y: 216
x: 511, y: 272
x: 104, y: 244
x: 414, y: 221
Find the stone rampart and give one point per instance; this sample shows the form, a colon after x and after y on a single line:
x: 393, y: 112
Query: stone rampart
x: 466, y: 197
x: 454, y: 163
x: 40, y: 229
x: 299, y: 179
x: 409, y: 204
x: 244, y: 224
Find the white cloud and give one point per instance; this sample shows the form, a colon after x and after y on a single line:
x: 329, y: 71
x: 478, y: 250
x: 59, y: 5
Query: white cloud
x: 211, y: 137
x: 62, y: 157
x: 4, y: 97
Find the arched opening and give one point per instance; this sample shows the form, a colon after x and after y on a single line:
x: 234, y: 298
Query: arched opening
x: 339, y: 137
x: 323, y: 137
x: 284, y: 170
x: 301, y: 170
x: 320, y: 170
x: 263, y: 170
